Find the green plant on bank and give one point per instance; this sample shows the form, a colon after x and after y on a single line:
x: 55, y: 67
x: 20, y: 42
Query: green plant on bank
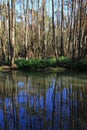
x: 82, y: 64
x: 36, y: 63
x: 64, y: 62
x: 61, y: 62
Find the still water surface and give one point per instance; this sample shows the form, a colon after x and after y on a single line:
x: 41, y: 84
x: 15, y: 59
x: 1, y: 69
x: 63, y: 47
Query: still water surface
x: 38, y: 101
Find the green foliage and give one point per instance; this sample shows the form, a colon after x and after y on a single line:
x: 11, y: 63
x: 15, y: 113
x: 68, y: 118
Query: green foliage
x: 82, y: 65
x: 64, y: 62
x: 35, y: 63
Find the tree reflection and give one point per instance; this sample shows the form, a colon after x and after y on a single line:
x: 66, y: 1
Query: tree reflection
x: 45, y: 102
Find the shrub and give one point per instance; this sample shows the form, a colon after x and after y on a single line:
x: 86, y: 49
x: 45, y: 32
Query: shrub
x: 83, y: 64
x: 64, y: 62
x: 35, y: 63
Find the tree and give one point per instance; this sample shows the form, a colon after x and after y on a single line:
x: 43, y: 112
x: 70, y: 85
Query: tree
x: 12, y: 49
x: 53, y: 28
x: 80, y: 32
x: 26, y: 29
x: 42, y: 28
x: 44, y: 40
x: 62, y: 23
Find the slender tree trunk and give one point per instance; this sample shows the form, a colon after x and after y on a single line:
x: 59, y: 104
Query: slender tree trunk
x: 73, y: 15
x: 9, y: 38
x: 13, y: 33
x: 26, y: 30
x: 3, y: 39
x: 80, y: 23
x: 2, y: 43
x: 38, y: 25
x: 44, y: 40
x: 69, y: 26
x: 53, y: 26
x: 62, y: 23
x: 32, y: 26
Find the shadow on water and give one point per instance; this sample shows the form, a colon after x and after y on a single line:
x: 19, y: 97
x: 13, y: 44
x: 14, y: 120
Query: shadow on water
x: 42, y: 101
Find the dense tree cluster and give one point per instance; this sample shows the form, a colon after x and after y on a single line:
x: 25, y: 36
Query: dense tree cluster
x: 42, y: 29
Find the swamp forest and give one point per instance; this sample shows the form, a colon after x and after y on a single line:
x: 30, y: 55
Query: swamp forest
x: 43, y: 64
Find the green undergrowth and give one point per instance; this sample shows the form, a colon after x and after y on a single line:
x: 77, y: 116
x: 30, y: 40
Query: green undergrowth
x: 74, y: 65
x: 64, y: 62
x: 61, y: 63
x: 36, y: 63
x: 82, y: 64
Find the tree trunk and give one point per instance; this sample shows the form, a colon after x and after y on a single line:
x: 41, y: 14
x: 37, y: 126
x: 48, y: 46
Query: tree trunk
x: 53, y: 26
x: 13, y: 33
x: 9, y: 37
x: 80, y: 31
x: 44, y: 42
x: 62, y: 23
x: 26, y: 30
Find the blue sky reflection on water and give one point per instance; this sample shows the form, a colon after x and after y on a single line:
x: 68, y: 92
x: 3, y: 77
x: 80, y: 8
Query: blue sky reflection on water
x: 42, y: 102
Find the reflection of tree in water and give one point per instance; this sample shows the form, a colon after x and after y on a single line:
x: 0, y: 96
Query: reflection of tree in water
x: 42, y: 102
